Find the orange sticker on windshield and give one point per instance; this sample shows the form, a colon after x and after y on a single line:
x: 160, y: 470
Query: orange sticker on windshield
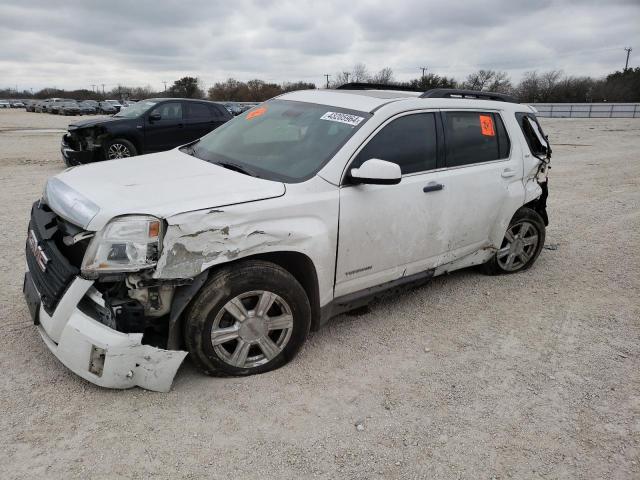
x: 256, y: 113
x: 486, y: 125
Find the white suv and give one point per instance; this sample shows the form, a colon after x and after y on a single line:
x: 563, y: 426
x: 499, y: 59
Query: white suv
x: 233, y: 247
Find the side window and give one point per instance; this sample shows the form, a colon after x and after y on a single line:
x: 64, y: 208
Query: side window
x: 197, y: 111
x: 216, y: 112
x: 169, y: 111
x: 409, y: 141
x: 474, y: 137
x: 532, y: 133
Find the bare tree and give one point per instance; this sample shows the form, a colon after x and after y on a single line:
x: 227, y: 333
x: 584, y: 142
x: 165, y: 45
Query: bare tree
x: 489, y: 80
x: 360, y: 73
x: 548, y: 83
x: 383, y: 77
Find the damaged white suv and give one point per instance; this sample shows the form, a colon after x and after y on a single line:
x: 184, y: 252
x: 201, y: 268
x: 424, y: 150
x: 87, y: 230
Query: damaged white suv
x: 233, y: 247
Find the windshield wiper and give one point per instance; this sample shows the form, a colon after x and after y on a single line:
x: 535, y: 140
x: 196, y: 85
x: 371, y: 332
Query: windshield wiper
x: 236, y: 168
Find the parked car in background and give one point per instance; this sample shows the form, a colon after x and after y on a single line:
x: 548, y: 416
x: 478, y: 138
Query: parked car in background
x: 116, y: 104
x: 17, y: 104
x: 69, y: 108
x: 55, y: 104
x: 41, y: 106
x: 5, y: 104
x: 106, y: 108
x: 152, y: 125
x: 30, y: 105
x: 233, y: 109
x: 88, y: 107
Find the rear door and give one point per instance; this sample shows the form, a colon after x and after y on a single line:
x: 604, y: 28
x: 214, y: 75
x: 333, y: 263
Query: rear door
x: 169, y: 131
x: 199, y: 120
x: 484, y: 180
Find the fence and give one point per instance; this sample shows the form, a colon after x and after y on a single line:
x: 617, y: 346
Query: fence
x: 588, y: 110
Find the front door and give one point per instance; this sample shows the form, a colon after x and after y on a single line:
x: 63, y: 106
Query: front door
x: 387, y: 232
x: 168, y: 131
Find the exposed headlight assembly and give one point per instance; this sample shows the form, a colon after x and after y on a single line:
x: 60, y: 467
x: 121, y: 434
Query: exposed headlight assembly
x: 125, y: 244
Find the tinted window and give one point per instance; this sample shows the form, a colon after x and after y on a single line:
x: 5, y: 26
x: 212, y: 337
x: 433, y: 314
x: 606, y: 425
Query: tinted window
x: 474, y: 137
x: 198, y: 111
x: 169, y: 111
x: 217, y: 113
x: 409, y: 141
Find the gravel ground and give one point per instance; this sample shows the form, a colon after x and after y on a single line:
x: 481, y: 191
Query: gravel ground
x: 534, y: 375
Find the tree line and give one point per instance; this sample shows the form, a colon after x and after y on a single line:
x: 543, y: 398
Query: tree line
x: 550, y: 86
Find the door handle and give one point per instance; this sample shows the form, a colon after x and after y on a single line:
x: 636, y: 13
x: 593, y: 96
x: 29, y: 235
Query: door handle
x: 508, y: 172
x: 433, y: 187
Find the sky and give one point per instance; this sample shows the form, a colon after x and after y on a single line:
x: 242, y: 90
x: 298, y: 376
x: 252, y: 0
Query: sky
x: 79, y: 43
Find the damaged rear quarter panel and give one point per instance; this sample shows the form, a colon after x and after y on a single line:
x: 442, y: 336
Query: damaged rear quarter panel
x: 304, y: 220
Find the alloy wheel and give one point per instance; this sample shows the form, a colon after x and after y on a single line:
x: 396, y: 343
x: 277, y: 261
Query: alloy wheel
x: 118, y: 150
x: 518, y: 247
x: 252, y: 329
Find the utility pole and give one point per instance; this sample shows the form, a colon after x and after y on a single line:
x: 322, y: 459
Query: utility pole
x: 93, y: 87
x: 102, y: 88
x: 165, y: 85
x: 626, y: 65
x: 327, y: 75
x: 346, y: 76
x: 424, y: 69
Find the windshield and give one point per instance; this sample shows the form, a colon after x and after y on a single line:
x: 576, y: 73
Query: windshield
x: 135, y: 109
x: 281, y: 139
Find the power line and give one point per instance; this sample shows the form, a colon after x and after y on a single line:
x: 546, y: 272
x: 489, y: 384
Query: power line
x: 626, y: 64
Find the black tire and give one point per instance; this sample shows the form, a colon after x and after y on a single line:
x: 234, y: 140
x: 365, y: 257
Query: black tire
x: 227, y: 284
x: 126, y: 148
x: 497, y: 265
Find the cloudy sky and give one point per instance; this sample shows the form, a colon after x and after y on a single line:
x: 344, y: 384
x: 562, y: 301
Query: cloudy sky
x: 77, y: 43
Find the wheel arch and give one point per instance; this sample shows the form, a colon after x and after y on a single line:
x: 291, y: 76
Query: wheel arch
x: 297, y: 264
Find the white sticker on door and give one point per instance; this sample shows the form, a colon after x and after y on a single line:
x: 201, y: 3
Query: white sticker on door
x: 352, y: 120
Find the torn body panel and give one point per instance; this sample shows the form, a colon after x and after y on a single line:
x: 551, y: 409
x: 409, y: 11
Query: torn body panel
x: 196, y: 241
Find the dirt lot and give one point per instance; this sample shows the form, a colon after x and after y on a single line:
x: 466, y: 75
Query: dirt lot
x: 535, y: 375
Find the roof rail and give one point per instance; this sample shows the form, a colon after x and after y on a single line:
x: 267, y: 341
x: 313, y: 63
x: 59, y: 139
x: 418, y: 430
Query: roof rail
x: 377, y: 86
x: 459, y: 93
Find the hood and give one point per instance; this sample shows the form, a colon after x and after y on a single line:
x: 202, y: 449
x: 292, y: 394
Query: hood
x: 97, y: 121
x: 160, y: 184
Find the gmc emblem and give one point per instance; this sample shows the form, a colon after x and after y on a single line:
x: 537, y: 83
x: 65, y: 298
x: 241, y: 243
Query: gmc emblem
x: 38, y: 253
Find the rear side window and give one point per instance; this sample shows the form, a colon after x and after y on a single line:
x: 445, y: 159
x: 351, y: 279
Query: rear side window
x: 532, y: 133
x: 409, y: 141
x: 197, y: 111
x: 219, y: 113
x: 474, y: 137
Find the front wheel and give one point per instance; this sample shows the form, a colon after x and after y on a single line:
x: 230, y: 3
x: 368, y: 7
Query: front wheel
x: 521, y: 245
x: 119, y: 148
x: 250, y: 317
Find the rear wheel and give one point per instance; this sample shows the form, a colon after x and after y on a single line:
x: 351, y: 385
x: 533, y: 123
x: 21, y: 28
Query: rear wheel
x: 250, y: 317
x: 119, y: 148
x: 521, y: 245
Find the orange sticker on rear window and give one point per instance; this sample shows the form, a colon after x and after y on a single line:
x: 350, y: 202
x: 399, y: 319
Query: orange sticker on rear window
x: 486, y: 125
x: 256, y: 113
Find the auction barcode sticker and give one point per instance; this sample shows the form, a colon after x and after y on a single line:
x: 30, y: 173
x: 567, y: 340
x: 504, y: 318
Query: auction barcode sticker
x: 352, y: 120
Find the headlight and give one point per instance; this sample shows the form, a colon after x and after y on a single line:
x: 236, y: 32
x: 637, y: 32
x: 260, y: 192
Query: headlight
x: 125, y: 244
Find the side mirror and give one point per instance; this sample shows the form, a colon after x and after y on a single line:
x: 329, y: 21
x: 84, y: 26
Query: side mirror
x: 376, y: 172
x: 154, y: 117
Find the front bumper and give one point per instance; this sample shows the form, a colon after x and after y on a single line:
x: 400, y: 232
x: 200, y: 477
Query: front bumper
x: 99, y: 354
x: 73, y: 157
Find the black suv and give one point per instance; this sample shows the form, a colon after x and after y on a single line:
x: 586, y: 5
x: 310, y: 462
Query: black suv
x: 152, y: 125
